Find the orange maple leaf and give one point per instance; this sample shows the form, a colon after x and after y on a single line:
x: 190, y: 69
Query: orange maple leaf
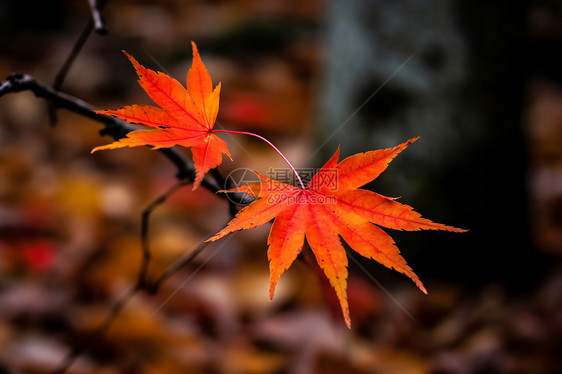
x: 186, y: 116
x: 330, y: 206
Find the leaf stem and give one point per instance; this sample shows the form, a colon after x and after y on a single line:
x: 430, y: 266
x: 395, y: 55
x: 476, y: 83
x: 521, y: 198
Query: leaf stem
x: 272, y: 146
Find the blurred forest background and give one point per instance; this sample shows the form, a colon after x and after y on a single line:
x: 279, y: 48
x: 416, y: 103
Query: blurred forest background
x: 480, y: 82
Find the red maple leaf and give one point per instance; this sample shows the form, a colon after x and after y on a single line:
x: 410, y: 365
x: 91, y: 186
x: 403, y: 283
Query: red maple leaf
x: 186, y: 116
x: 330, y: 206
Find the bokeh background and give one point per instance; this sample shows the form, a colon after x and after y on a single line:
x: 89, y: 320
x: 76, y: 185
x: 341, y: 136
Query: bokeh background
x: 479, y: 82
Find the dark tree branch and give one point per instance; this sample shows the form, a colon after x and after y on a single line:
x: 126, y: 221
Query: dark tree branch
x: 142, y: 283
x: 84, y: 35
x: 118, y: 129
x: 82, y: 346
x: 61, y: 75
x: 145, y: 221
x: 176, y: 266
x: 95, y: 23
x: 114, y: 127
x: 97, y: 19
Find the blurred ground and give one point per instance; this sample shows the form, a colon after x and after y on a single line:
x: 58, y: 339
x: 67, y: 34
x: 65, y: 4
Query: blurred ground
x: 483, y: 88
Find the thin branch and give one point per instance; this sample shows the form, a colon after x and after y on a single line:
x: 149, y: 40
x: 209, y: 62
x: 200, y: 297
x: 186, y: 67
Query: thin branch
x: 61, y: 75
x: 98, y: 22
x: 141, y: 284
x: 176, y: 266
x: 95, y: 23
x: 145, y: 221
x: 82, y: 38
x: 17, y: 82
x: 114, y: 127
x: 78, y: 349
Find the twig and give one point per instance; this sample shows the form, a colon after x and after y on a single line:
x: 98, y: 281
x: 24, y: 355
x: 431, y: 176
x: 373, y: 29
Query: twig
x: 141, y: 284
x: 17, y: 82
x: 114, y: 127
x: 95, y: 8
x: 145, y: 221
x: 78, y: 349
x: 61, y: 75
x: 95, y: 23
x: 176, y: 266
